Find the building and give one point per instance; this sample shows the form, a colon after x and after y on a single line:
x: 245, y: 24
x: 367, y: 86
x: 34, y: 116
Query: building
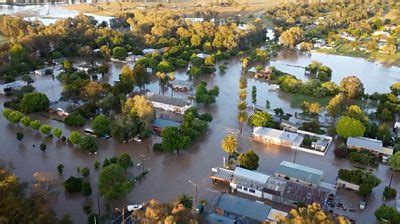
x: 320, y: 144
x: 277, y: 137
x: 244, y: 210
x: 194, y: 20
x: 7, y: 87
x: 159, y: 124
x: 372, y: 145
x: 167, y: 103
x: 276, y: 189
x: 180, y: 85
x: 270, y: 34
x: 300, y: 174
x: 43, y: 71
x: 202, y: 55
x: 63, y: 108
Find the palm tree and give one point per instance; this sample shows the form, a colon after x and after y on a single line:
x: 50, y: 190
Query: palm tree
x: 242, y: 117
x: 185, y: 200
x: 163, y: 79
x: 229, y: 144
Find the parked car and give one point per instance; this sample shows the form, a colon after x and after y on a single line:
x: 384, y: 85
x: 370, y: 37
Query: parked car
x: 137, y: 139
x: 134, y: 207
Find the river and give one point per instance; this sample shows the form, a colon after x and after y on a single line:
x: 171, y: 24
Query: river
x: 169, y: 173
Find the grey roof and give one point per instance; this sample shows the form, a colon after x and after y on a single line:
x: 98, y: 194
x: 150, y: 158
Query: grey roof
x: 167, y: 100
x: 300, y: 172
x: 307, y: 195
x: 275, y: 133
x: 365, y: 143
x: 162, y: 123
x: 180, y: 83
x: 251, y: 175
x: 214, y: 218
x: 243, y: 207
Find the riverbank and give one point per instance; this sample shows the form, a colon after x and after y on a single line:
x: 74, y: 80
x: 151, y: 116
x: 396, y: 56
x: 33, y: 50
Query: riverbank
x: 387, y: 60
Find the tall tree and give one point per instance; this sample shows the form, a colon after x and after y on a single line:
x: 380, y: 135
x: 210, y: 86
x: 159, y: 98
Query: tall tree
x: 249, y: 160
x: 113, y: 183
x: 349, y: 127
x: 174, y: 140
x: 229, y: 144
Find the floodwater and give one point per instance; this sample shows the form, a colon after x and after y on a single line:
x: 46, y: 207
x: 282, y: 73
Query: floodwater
x: 169, y: 173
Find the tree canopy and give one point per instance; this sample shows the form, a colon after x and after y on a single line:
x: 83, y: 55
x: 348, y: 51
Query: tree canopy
x: 113, y: 183
x: 249, y: 160
x: 349, y: 127
x: 34, y: 102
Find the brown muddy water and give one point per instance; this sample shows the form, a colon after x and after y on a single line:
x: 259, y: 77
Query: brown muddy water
x: 169, y: 173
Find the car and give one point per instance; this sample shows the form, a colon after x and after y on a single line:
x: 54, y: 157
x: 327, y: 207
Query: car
x: 134, y: 207
x: 137, y: 139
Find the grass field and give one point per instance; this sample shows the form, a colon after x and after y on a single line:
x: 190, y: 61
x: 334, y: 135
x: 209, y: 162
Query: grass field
x: 298, y: 99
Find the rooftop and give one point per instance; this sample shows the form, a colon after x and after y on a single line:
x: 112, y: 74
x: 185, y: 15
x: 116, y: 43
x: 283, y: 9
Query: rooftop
x: 162, y: 123
x: 214, y: 218
x: 178, y: 82
x: 303, y: 194
x: 275, y: 133
x: 300, y: 172
x: 274, y: 214
x: 243, y: 207
x: 221, y: 174
x: 250, y: 175
x: 366, y: 143
x: 167, y: 100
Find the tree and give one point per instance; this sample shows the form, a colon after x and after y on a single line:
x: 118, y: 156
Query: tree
x: 140, y: 76
x: 394, y: 161
x: 260, y: 119
x: 6, y: 113
x: 20, y: 136
x: 254, y: 95
x: 43, y: 147
x: 384, y: 133
x: 119, y: 53
x: 352, y: 87
x: 356, y: 112
x: 34, y: 102
x: 395, y: 88
x: 60, y: 168
x: 85, y: 171
x: 139, y: 106
x: 113, y: 183
x: 89, y: 144
x: 15, y: 117
x: 388, y: 213
x: 25, y: 121
x: 185, y: 200
x: 67, y: 65
x: 349, y: 127
x: 125, y: 160
x: 242, y: 117
x: 27, y: 79
x: 75, y: 138
x: 101, y: 125
x: 45, y: 129
x: 35, y: 124
x: 249, y: 160
x: 73, y: 184
x: 173, y: 139
x: 206, y: 96
x: 93, y: 90
x: 292, y: 36
x: 229, y: 144
x: 86, y: 188
x: 57, y: 132
x: 311, y: 214
x: 74, y: 119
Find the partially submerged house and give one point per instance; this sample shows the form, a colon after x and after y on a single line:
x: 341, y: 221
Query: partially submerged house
x: 277, y: 137
x: 300, y: 174
x: 159, y: 124
x: 168, y: 103
x: 180, y: 85
x: 372, y: 145
x: 63, y: 108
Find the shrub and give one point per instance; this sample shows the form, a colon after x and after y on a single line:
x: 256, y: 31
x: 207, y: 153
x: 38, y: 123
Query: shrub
x: 43, y: 147
x: 75, y: 120
x: 86, y: 189
x: 389, y: 193
x: 85, y: 171
x: 73, y: 184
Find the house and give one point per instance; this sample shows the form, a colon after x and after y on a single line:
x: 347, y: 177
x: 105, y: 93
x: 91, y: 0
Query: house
x: 194, y: 20
x: 214, y: 218
x: 320, y: 144
x: 288, y: 125
x: 265, y: 74
x: 6, y: 87
x: 168, y: 103
x: 180, y: 85
x: 241, y: 209
x: 84, y: 67
x: 43, y: 71
x: 63, y: 108
x: 270, y: 34
x: 133, y: 58
x: 381, y: 33
x: 249, y: 182
x: 347, y: 36
x: 159, y: 124
x: 277, y: 137
x: 372, y: 145
x: 304, y: 175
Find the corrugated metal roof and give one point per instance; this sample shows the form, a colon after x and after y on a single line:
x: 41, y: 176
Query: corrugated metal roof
x: 250, y: 175
x: 162, y: 123
x: 300, y: 172
x: 365, y: 143
x: 167, y: 100
x: 275, y: 133
x: 243, y: 207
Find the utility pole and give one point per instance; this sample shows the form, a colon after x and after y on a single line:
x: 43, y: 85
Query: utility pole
x: 195, y: 191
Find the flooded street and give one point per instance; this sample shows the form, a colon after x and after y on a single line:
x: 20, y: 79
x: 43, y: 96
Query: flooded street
x: 169, y: 173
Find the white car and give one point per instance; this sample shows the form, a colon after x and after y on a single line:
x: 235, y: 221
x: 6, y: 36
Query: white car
x: 137, y: 139
x: 134, y: 207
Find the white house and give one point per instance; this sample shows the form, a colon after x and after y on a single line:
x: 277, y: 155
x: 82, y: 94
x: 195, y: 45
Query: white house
x: 277, y: 137
x: 372, y: 145
x: 176, y: 105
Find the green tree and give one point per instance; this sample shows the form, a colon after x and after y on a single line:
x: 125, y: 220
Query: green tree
x: 394, y: 161
x: 101, y: 125
x: 229, y: 144
x: 242, y: 117
x: 15, y: 117
x: 387, y: 213
x: 113, y: 183
x: 125, y: 160
x: 254, y: 95
x: 26, y: 121
x: 27, y: 79
x: 6, y: 113
x: 206, y: 96
x: 45, y: 129
x: 73, y: 184
x: 20, y: 136
x: 174, y: 140
x: 86, y: 188
x: 352, y: 87
x: 57, y: 132
x: 74, y: 119
x: 349, y: 127
x: 89, y: 144
x: 249, y: 160
x: 60, y: 168
x: 119, y: 53
x: 35, y: 124
x: 75, y: 138
x: 85, y: 171
x: 43, y: 147
x: 356, y: 112
x: 34, y: 102
x: 260, y: 119
x: 395, y: 88
x: 185, y: 200
x: 384, y: 133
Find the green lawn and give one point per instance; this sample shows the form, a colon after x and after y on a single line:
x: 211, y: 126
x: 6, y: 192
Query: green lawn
x: 297, y: 100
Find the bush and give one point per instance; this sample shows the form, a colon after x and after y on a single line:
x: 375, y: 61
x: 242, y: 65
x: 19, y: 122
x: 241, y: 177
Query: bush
x: 206, y: 117
x: 73, y: 184
x: 85, y: 172
x: 75, y: 120
x: 157, y: 147
x: 89, y: 144
x: 86, y: 189
x: 34, y: 102
x: 60, y: 168
x: 389, y: 193
x: 43, y: 147
x: 341, y: 151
